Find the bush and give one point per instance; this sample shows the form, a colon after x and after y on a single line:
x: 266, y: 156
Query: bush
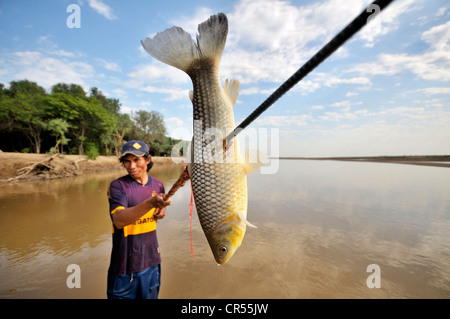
x: 91, y: 151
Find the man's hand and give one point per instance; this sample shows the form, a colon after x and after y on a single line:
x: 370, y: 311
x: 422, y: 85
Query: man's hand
x: 160, y: 202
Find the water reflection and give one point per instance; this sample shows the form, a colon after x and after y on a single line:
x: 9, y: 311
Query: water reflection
x: 320, y: 224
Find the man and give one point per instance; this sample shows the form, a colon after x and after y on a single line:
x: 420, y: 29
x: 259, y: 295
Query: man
x: 136, y: 201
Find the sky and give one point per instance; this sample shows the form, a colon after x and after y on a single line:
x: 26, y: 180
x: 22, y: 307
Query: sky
x: 385, y: 92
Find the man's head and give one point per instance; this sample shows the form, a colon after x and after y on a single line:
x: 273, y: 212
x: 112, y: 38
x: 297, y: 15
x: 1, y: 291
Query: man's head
x: 136, y: 152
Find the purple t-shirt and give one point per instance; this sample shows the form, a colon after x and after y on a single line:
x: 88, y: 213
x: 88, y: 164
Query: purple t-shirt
x: 135, y: 246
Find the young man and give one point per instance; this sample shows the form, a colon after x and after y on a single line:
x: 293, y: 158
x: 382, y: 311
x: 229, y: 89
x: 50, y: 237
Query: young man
x: 136, y: 201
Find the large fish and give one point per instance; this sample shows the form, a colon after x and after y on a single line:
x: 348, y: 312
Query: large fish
x: 218, y: 173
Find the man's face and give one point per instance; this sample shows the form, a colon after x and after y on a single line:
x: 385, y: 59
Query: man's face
x: 136, y: 166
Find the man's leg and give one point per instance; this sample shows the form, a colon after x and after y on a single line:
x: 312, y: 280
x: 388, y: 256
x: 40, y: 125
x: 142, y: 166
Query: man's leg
x: 149, y: 282
x: 122, y: 286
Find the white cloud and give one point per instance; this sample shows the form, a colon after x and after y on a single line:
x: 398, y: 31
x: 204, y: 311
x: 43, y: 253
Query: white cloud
x: 436, y: 90
x: 112, y: 66
x: 62, y: 53
x: 284, y: 120
x: 434, y: 64
x: 256, y: 90
x: 279, y: 25
x: 149, y: 77
x: 174, y: 122
x: 120, y: 93
x: 157, y: 72
x: 190, y: 23
x: 438, y: 37
x: 441, y: 11
x: 102, y: 9
x: 46, y: 70
x: 378, y: 137
x: 173, y: 93
x: 268, y: 41
x: 349, y: 94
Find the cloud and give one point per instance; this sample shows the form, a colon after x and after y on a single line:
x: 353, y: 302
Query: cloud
x: 284, y: 120
x: 434, y: 64
x: 173, y: 93
x: 398, y: 131
x: 268, y: 41
x: 436, y: 90
x: 190, y: 23
x: 102, y: 9
x: 438, y: 37
x: 45, y: 70
x: 371, y: 139
x: 112, y: 66
x: 174, y: 121
x: 159, y: 78
x: 156, y: 72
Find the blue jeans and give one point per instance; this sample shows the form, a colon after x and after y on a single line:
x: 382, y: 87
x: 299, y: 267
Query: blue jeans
x: 137, y: 285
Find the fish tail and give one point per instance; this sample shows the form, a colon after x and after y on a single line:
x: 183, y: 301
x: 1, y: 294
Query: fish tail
x: 175, y: 46
x: 212, y: 35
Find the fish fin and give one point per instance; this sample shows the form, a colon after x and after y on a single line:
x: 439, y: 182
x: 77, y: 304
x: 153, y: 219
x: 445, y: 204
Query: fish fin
x: 212, y: 35
x: 231, y: 88
x: 173, y: 46
x: 244, y: 219
x: 254, y: 160
x: 191, y: 95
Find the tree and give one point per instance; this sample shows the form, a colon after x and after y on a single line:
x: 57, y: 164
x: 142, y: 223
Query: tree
x: 123, y: 127
x: 112, y: 105
x: 58, y: 128
x: 25, y: 87
x: 151, y: 123
x: 74, y: 90
x: 32, y: 118
x: 20, y: 110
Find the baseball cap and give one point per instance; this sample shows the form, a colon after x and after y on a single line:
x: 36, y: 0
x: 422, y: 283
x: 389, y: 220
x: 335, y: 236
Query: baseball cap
x: 134, y: 147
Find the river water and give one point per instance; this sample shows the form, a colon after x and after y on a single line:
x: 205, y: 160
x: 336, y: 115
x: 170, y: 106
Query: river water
x: 321, y: 224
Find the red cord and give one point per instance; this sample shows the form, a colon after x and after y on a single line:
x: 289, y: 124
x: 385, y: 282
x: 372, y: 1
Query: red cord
x: 191, y: 205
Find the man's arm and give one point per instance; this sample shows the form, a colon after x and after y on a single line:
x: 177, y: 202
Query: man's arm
x: 127, y: 216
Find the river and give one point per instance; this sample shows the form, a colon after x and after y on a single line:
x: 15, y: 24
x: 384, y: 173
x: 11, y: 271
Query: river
x: 326, y: 229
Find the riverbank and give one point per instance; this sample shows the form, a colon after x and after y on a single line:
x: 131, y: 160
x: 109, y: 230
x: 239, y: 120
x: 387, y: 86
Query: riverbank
x: 424, y: 160
x: 22, y: 167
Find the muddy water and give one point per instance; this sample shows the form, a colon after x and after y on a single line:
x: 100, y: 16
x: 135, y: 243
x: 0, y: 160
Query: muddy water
x: 320, y: 225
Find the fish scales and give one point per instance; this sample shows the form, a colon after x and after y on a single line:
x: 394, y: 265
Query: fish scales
x: 218, y: 177
x: 214, y: 110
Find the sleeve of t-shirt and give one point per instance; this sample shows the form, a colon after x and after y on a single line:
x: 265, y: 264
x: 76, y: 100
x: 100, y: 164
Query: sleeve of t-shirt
x: 163, y: 191
x: 117, y: 197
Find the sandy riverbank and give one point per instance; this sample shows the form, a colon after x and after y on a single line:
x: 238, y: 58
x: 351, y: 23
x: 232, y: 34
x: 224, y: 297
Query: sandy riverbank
x: 19, y: 167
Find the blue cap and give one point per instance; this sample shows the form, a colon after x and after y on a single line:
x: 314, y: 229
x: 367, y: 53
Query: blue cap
x: 134, y: 147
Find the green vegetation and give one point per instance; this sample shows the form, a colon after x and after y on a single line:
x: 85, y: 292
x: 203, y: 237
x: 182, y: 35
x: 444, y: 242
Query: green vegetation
x: 67, y: 120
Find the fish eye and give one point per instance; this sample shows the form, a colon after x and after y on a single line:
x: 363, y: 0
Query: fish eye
x: 223, y: 249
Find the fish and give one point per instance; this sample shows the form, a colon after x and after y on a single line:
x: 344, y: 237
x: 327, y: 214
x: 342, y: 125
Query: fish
x: 217, y: 170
